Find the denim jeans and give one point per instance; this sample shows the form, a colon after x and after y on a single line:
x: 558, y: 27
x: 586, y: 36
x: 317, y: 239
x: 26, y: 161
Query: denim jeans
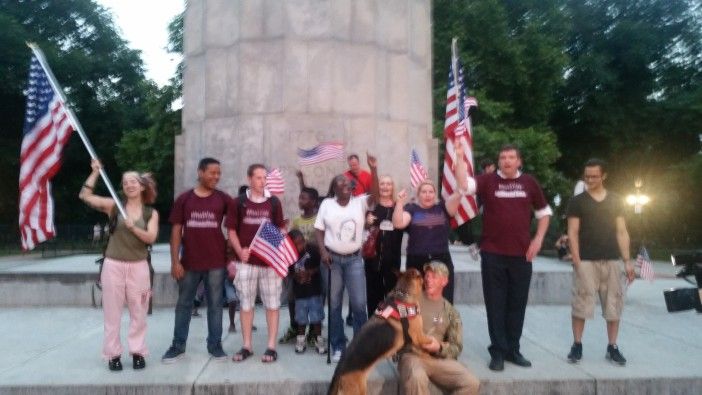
x: 346, y: 271
x: 187, y: 287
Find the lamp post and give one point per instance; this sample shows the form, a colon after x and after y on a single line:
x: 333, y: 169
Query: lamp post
x: 638, y: 201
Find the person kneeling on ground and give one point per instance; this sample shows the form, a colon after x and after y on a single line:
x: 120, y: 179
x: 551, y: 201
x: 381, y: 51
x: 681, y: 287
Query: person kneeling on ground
x: 443, y: 323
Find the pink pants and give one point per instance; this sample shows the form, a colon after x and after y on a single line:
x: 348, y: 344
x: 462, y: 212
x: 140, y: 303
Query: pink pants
x: 125, y: 281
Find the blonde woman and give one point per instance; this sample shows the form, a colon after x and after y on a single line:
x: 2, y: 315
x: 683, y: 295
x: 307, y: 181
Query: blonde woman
x: 382, y: 270
x: 125, y: 271
x: 427, y: 223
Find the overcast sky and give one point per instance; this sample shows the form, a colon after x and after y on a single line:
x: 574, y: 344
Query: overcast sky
x: 143, y: 23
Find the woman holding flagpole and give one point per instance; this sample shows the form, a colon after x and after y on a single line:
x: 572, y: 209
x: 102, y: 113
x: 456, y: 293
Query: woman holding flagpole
x: 125, y: 271
x: 427, y: 223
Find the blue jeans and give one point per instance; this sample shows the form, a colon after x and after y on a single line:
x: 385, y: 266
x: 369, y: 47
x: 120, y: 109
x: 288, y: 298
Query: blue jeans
x: 187, y: 287
x: 346, y: 271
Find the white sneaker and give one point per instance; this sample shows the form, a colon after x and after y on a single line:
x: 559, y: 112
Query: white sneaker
x: 336, y: 357
x: 300, y: 344
x: 321, y: 345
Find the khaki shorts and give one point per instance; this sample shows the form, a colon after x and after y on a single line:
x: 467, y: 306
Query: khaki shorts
x: 252, y: 278
x: 604, y: 278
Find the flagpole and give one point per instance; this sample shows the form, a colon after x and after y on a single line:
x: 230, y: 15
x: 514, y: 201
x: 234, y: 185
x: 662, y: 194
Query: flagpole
x: 74, y: 120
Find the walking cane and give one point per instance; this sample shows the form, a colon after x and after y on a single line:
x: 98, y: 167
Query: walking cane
x: 329, y: 350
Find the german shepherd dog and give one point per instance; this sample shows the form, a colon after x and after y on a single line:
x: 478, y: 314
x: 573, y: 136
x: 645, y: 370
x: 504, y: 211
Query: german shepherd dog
x: 380, y: 338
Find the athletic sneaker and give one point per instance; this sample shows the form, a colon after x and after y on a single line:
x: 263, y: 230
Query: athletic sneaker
x: 576, y: 353
x: 321, y: 345
x: 336, y: 356
x: 300, y: 344
x: 173, y: 354
x: 614, y: 355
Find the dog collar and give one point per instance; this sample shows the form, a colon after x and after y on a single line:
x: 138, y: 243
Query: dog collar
x: 397, y: 310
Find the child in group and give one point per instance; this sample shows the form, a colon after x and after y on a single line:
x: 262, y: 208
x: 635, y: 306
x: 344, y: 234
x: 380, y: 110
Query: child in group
x: 307, y: 289
x: 307, y: 201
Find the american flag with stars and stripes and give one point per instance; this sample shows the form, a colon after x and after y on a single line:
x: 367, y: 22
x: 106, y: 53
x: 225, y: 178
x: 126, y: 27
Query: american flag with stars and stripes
x: 47, y: 128
x: 320, y: 153
x: 274, y: 248
x: 418, y: 172
x: 646, y: 267
x: 275, y: 182
x: 457, y: 129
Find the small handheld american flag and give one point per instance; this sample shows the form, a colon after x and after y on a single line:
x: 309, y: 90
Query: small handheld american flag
x: 274, y: 248
x: 275, y: 182
x: 418, y: 172
x: 320, y: 153
x: 644, y: 262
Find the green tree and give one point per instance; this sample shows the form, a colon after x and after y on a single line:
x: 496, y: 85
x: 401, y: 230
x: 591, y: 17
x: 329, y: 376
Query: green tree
x: 512, y: 52
x: 102, y: 77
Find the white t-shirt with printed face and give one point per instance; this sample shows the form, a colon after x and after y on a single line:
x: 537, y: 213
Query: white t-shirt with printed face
x: 342, y: 225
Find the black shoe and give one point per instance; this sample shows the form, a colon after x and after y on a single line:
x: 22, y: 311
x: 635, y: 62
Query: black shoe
x: 115, y: 364
x: 497, y: 363
x: 518, y: 359
x: 614, y: 355
x: 576, y: 353
x: 138, y: 362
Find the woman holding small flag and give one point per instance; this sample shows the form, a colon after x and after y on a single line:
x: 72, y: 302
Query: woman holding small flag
x: 125, y: 272
x: 427, y: 223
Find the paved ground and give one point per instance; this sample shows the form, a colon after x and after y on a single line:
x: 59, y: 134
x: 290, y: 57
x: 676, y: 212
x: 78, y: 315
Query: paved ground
x: 56, y: 350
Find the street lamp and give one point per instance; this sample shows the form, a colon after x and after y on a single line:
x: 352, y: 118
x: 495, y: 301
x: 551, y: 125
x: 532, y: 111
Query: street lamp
x: 638, y: 200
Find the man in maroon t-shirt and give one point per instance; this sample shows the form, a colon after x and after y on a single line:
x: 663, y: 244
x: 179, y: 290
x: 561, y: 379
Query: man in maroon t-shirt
x: 360, y: 179
x: 509, y: 199
x: 248, y: 212
x: 198, y: 253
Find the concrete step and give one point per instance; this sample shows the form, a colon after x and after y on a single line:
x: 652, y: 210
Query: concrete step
x: 70, y: 281
x: 57, y: 351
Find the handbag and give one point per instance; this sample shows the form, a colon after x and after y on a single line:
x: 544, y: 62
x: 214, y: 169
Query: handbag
x: 369, y: 249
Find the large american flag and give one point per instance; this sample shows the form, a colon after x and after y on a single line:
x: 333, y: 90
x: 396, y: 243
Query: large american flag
x: 644, y: 262
x: 274, y: 248
x: 320, y: 153
x: 275, y: 182
x: 457, y: 129
x: 418, y: 172
x: 47, y: 128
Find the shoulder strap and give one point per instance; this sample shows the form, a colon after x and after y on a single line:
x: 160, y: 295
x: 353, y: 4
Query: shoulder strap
x: 146, y: 213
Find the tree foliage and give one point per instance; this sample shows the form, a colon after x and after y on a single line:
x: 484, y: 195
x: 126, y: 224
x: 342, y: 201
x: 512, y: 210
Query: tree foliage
x: 571, y: 79
x: 102, y: 77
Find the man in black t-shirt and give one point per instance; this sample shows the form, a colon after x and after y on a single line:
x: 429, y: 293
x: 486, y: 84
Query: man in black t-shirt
x: 598, y: 240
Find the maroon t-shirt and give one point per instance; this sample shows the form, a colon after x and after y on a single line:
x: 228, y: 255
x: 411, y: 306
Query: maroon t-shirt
x: 204, y: 245
x: 247, y: 222
x: 508, y: 205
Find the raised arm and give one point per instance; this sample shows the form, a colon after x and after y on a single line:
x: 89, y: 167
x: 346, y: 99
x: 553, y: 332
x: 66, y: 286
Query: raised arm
x: 461, y: 174
x: 375, y: 188
x: 300, y: 179
x: 400, y: 217
x: 86, y: 194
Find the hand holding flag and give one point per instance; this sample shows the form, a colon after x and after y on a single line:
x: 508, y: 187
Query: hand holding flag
x: 274, y: 248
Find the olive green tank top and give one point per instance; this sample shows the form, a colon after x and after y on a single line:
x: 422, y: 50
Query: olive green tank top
x: 124, y: 245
